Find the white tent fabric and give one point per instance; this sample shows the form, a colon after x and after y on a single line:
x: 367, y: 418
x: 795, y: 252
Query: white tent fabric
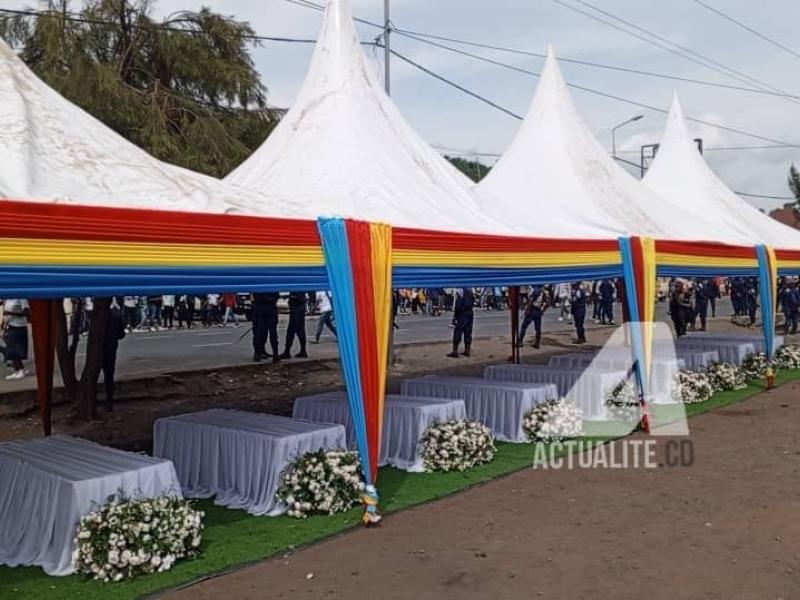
x: 680, y: 174
x: 53, y: 151
x: 344, y: 149
x: 556, y: 179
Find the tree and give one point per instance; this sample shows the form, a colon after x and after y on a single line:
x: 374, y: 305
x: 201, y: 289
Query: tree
x: 794, y: 182
x: 474, y: 169
x: 184, y: 88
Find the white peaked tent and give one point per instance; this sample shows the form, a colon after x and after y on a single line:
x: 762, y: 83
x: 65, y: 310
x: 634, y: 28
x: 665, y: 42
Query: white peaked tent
x: 344, y: 149
x: 557, y: 179
x: 53, y: 151
x: 680, y: 174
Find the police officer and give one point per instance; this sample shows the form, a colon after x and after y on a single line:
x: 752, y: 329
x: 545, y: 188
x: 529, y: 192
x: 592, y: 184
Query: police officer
x: 298, y: 301
x: 676, y: 311
x: 265, y: 326
x: 701, y: 296
x: 791, y: 307
x: 752, y: 300
x: 606, y: 302
x: 713, y: 293
x: 534, y: 309
x: 463, y: 317
x: 579, y: 298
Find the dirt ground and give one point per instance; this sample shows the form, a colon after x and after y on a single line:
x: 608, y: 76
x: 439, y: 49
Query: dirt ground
x: 259, y: 387
x: 724, y: 528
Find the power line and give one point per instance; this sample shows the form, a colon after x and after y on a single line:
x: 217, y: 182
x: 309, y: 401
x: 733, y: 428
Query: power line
x: 766, y: 196
x: 748, y: 28
x: 672, y: 47
x: 725, y: 148
x: 455, y: 85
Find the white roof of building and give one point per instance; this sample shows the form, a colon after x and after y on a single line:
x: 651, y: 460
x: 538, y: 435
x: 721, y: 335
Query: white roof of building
x: 53, y: 151
x: 556, y: 179
x: 344, y: 149
x: 680, y: 174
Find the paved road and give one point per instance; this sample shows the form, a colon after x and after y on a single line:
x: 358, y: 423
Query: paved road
x: 153, y: 353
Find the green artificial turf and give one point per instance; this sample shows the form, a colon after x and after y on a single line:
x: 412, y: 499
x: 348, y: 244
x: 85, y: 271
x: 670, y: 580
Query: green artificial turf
x: 232, y: 537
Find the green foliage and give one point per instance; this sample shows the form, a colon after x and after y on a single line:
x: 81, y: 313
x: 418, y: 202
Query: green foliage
x: 794, y: 182
x: 474, y: 169
x: 185, y: 89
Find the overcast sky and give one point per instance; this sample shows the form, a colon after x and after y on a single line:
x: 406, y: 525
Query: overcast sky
x: 448, y: 118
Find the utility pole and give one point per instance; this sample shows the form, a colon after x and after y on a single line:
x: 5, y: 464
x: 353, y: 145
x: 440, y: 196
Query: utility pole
x: 387, y: 51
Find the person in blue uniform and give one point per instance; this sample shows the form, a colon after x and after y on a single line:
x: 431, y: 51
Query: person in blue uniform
x: 463, y: 317
x: 534, y: 309
x: 606, y: 302
x: 713, y: 295
x: 701, y: 297
x: 751, y: 290
x: 791, y: 304
x: 579, y: 299
x: 298, y: 301
x: 265, y: 326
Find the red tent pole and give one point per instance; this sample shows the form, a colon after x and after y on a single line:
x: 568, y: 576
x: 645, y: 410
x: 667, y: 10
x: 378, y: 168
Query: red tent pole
x: 44, y: 320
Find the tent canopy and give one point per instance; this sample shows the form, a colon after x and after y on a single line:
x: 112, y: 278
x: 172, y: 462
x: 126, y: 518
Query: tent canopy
x: 53, y: 151
x: 557, y: 179
x: 344, y: 149
x: 680, y: 174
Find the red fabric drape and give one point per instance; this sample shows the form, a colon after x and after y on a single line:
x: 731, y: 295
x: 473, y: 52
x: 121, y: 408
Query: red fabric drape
x: 43, y: 319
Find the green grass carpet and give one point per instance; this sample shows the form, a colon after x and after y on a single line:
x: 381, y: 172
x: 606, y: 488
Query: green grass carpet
x: 234, y: 538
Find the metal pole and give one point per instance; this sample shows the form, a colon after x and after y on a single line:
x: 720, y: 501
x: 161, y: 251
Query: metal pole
x: 387, y: 51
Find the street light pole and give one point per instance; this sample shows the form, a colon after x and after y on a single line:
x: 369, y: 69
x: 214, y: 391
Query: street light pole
x: 614, y: 133
x: 387, y: 51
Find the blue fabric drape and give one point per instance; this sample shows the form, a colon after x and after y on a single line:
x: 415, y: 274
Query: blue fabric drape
x: 485, y: 276
x: 335, y: 245
x: 767, y: 299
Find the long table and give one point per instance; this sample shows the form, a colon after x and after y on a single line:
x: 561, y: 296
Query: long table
x: 586, y: 387
x: 405, y: 419
x: 500, y: 405
x: 237, y: 456
x: 47, y: 485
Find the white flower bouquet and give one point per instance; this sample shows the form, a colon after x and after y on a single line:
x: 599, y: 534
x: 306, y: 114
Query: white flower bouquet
x: 126, y: 538
x: 622, y: 403
x: 322, y: 482
x: 691, y: 387
x: 554, y: 421
x: 754, y: 366
x: 787, y: 357
x: 726, y: 377
x: 457, y: 446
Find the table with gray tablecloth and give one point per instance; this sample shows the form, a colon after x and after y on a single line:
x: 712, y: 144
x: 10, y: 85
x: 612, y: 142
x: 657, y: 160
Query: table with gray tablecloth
x: 405, y: 419
x: 730, y: 351
x: 697, y: 360
x: 587, y: 388
x: 500, y: 405
x: 48, y: 484
x: 238, y: 457
x: 757, y: 340
x: 662, y: 371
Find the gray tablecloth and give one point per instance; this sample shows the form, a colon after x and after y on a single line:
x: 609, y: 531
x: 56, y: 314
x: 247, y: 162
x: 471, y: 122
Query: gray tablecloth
x: 697, y: 360
x: 662, y: 375
x: 756, y: 340
x: 500, y: 405
x: 405, y: 419
x: 587, y: 388
x: 239, y: 456
x: 731, y: 351
x: 48, y: 484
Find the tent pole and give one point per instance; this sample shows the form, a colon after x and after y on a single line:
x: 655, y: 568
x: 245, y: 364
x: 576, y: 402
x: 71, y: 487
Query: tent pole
x: 513, y: 293
x: 43, y: 320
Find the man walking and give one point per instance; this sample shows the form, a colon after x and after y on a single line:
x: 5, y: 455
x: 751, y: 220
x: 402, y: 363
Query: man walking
x: 701, y: 297
x: 265, y: 326
x: 297, y: 324
x: 792, y: 307
x: 15, y: 335
x: 463, y: 317
x: 534, y: 309
x: 579, y: 298
x: 325, y: 307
